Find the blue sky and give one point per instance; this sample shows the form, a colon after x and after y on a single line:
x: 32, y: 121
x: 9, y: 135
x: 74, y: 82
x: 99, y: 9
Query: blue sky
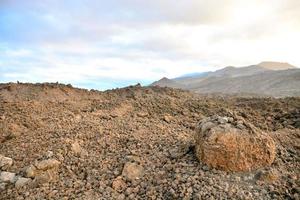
x: 106, y: 44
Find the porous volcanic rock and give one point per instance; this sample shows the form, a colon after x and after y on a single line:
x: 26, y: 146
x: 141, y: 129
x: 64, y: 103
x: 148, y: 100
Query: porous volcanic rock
x: 233, y: 144
x: 46, y: 115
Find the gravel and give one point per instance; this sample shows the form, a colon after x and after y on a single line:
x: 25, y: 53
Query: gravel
x: 150, y: 126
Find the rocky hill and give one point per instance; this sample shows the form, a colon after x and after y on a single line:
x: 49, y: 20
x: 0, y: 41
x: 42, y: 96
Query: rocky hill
x: 266, y: 78
x: 60, y: 142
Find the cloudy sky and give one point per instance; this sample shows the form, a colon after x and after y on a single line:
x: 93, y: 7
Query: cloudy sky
x: 104, y: 44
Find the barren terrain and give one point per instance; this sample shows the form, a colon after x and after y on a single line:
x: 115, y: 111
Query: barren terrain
x: 100, y: 138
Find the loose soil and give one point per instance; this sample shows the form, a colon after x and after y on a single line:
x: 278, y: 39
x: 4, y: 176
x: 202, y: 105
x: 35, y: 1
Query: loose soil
x: 150, y: 126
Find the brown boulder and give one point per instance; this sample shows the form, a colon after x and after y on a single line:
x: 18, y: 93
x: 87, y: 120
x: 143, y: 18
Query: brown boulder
x: 233, y: 145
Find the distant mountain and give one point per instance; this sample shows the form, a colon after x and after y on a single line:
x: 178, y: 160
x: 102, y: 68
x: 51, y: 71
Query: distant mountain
x: 276, y: 65
x: 265, y: 78
x: 192, y: 75
x: 271, y: 83
x: 165, y: 82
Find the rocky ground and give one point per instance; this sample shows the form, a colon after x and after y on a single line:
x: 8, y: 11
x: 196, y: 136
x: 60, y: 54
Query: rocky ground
x: 58, y: 142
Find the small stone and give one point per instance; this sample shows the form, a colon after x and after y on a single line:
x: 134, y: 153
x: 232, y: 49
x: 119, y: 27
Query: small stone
x: 3, y: 186
x: 21, y: 182
x: 240, y: 126
x: 190, y: 190
x: 132, y: 171
x: 121, y: 197
x: 7, y: 177
x: 237, y: 178
x: 118, y: 184
x: 77, y: 149
x: 5, y: 162
x: 142, y: 114
x: 222, y: 120
x: 45, y: 177
x: 30, y: 171
x: 49, y: 154
x: 47, y: 164
x: 230, y: 119
x: 43, y: 172
x: 167, y: 118
x: 60, y: 157
x: 77, y: 117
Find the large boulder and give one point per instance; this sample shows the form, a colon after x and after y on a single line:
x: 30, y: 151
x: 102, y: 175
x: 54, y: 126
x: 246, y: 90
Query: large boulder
x: 232, y: 144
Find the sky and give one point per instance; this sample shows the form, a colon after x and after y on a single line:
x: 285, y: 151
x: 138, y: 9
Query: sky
x: 104, y: 44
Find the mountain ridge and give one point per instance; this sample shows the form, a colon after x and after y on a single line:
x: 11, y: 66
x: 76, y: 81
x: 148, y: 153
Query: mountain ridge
x: 266, y: 78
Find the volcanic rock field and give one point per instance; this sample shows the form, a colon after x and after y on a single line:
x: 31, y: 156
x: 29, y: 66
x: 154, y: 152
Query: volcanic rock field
x: 60, y: 142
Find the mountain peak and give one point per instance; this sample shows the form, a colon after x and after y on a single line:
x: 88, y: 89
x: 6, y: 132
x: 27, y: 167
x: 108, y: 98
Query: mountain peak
x: 276, y: 65
x: 230, y: 67
x: 164, y: 79
x: 165, y: 82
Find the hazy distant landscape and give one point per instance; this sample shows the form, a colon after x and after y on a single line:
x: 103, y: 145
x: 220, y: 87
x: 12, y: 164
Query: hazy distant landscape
x: 264, y: 79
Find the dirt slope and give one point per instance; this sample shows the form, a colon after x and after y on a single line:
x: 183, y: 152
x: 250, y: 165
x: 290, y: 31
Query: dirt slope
x: 149, y: 126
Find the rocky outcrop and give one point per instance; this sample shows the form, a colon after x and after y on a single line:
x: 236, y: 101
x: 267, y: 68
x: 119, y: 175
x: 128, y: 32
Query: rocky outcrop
x: 232, y: 144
